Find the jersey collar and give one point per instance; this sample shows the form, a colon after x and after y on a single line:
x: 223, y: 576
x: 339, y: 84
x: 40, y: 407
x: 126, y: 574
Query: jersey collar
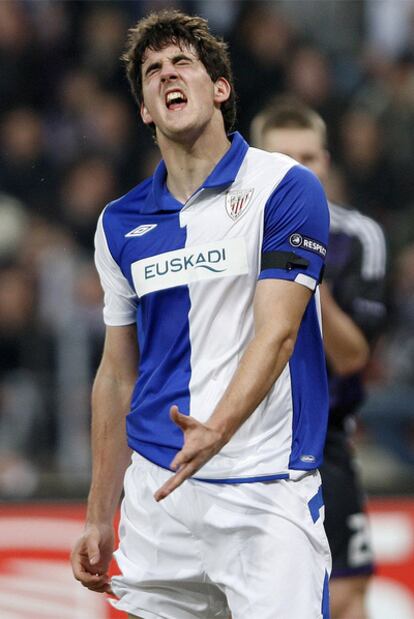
x: 224, y: 173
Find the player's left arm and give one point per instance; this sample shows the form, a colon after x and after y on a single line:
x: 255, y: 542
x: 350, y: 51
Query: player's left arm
x: 278, y: 309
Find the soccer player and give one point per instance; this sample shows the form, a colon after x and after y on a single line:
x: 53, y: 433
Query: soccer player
x: 210, y: 270
x: 352, y: 312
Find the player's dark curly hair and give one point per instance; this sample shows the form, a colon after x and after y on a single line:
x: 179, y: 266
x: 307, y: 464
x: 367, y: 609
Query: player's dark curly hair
x: 174, y: 27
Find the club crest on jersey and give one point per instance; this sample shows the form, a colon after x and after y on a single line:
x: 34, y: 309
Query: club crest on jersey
x: 237, y: 202
x: 141, y: 230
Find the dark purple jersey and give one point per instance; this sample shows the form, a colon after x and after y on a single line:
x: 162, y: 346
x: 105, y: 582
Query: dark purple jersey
x: 355, y: 273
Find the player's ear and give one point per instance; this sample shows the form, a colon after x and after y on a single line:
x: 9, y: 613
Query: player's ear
x: 222, y: 90
x: 145, y: 115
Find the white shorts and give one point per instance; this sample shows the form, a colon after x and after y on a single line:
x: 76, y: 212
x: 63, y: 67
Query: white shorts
x: 258, y: 549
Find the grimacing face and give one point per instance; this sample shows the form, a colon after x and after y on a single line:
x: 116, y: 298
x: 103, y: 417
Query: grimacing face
x: 179, y: 96
x: 303, y: 145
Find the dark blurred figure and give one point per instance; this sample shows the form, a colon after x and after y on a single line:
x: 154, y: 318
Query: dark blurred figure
x: 310, y: 78
x: 259, y: 50
x: 88, y: 185
x: 102, y: 41
x: 67, y: 127
x: 25, y: 169
x: 113, y: 133
x: 389, y: 410
x: 367, y: 172
x: 20, y: 396
x: 20, y: 66
x: 390, y: 30
x: 397, y: 123
x: 14, y: 227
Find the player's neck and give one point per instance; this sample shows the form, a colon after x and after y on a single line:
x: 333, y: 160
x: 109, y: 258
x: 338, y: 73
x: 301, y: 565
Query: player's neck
x: 189, y: 164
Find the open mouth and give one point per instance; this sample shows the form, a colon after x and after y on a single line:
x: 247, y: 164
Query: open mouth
x: 175, y: 100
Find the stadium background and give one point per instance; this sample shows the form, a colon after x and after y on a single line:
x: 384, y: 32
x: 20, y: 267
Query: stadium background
x: 70, y: 141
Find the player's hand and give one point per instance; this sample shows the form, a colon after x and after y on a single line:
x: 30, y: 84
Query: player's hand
x: 200, y: 444
x: 91, y: 557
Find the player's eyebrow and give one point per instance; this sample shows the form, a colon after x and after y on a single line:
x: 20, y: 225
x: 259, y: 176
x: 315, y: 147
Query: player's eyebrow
x: 153, y: 65
x: 174, y: 60
x: 182, y: 56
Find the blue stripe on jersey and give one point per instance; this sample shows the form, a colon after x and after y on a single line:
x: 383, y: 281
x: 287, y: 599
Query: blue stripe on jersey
x: 309, y: 393
x: 315, y: 504
x: 297, y: 207
x: 325, y: 598
x: 165, y: 368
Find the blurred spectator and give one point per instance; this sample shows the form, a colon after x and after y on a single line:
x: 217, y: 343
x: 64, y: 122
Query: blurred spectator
x: 259, y: 49
x: 67, y: 125
x: 56, y: 44
x: 221, y: 15
x: 367, y: 171
x: 389, y: 25
x: 20, y: 67
x: 45, y: 238
x: 88, y: 185
x: 25, y: 169
x: 112, y: 131
x: 76, y: 296
x: 14, y: 226
x: 103, y: 39
x: 20, y: 396
x: 336, y: 187
x: 387, y: 95
x: 397, y: 123
x: 389, y: 410
x: 310, y: 78
x: 335, y: 26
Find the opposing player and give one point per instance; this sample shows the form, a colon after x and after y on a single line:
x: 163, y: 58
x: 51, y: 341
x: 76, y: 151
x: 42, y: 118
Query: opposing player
x: 228, y: 408
x: 352, y: 312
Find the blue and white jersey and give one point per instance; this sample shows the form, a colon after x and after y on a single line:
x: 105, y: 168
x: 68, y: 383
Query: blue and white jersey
x: 186, y: 274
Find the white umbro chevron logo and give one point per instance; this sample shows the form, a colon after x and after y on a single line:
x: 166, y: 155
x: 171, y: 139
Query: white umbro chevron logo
x: 141, y: 230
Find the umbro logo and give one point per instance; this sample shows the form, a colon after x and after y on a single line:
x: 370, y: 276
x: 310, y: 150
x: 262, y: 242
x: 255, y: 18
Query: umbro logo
x: 141, y: 230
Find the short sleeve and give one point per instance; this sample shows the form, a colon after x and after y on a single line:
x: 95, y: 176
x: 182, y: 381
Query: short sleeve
x: 120, y: 300
x: 295, y: 230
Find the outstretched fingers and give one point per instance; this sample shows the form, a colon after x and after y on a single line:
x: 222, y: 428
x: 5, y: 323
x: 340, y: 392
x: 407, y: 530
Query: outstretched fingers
x: 200, y: 444
x: 176, y: 480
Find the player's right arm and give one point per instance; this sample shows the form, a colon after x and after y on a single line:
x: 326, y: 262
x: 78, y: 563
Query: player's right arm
x: 111, y: 455
x: 111, y: 395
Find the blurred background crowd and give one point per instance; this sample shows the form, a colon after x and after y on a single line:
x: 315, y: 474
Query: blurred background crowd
x: 71, y: 141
